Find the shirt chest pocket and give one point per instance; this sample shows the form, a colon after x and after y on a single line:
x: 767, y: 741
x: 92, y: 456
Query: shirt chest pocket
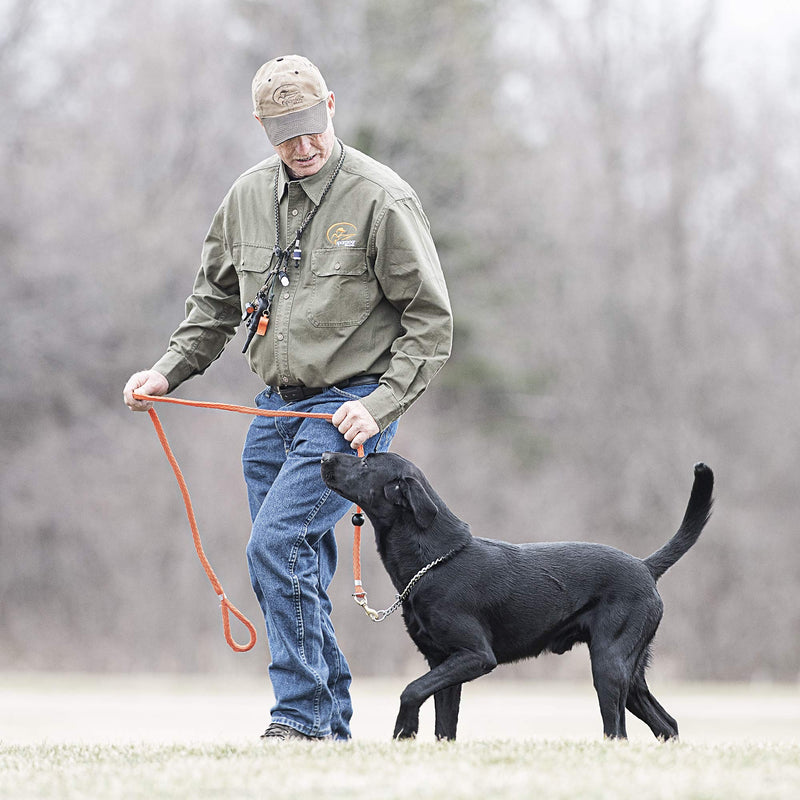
x: 252, y: 263
x: 341, y: 293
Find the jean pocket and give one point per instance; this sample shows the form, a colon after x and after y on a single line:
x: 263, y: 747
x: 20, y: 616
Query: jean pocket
x: 355, y: 392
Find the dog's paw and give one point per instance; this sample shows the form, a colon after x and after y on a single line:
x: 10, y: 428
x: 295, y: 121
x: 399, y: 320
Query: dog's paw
x: 406, y: 728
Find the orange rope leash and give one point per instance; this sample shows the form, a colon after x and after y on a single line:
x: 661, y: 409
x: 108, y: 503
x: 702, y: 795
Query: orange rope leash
x: 226, y: 606
x: 258, y: 412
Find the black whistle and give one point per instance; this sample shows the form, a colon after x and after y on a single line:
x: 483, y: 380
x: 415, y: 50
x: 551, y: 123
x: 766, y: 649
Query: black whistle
x: 253, y: 317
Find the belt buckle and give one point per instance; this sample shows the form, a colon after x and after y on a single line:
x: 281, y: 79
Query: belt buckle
x: 291, y: 394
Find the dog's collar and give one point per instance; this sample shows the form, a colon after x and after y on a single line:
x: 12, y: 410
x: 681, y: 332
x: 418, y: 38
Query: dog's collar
x: 380, y: 616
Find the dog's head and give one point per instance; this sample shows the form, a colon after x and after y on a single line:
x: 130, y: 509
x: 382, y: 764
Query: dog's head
x: 385, y: 485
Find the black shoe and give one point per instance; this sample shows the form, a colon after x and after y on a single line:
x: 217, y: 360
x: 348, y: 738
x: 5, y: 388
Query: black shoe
x: 283, y: 732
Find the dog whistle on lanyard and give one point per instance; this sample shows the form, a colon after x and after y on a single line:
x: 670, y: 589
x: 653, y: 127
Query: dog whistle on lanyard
x: 257, y: 311
x: 283, y: 261
x: 256, y: 318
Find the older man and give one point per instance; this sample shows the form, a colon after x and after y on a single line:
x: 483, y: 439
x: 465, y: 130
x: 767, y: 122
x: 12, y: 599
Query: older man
x: 328, y: 258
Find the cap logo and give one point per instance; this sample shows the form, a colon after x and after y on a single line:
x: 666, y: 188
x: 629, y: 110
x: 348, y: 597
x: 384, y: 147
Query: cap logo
x: 342, y: 234
x: 289, y: 95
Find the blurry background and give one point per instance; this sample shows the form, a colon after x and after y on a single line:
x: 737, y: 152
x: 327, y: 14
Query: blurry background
x: 613, y: 187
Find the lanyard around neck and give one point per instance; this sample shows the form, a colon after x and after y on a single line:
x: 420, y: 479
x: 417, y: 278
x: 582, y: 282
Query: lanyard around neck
x: 257, y: 312
x: 296, y: 253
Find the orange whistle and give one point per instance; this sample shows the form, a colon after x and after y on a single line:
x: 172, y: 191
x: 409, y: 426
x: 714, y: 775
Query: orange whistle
x: 262, y: 325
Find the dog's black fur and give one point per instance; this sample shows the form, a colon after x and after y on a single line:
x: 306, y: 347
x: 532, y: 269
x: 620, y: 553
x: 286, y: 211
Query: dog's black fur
x: 493, y: 602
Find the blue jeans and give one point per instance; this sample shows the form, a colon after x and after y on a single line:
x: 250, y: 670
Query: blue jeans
x: 292, y: 556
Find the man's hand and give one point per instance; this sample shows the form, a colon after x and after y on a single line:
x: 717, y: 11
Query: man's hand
x: 147, y: 382
x: 355, y: 423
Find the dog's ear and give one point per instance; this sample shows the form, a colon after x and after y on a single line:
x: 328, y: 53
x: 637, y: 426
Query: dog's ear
x: 393, y: 492
x: 425, y: 510
x: 409, y: 492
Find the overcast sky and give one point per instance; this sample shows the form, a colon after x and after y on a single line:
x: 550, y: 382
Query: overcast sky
x: 755, y: 37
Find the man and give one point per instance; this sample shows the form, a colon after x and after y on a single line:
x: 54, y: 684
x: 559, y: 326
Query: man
x: 328, y: 255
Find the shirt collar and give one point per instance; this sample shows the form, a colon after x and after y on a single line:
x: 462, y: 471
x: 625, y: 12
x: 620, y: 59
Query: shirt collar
x: 314, y: 185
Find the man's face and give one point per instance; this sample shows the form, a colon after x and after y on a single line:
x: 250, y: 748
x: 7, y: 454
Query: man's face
x: 305, y: 155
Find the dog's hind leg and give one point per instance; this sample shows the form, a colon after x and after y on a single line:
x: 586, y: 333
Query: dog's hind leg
x: 619, y: 650
x: 447, y: 703
x: 461, y: 666
x: 642, y: 703
x: 616, y: 653
x: 611, y: 683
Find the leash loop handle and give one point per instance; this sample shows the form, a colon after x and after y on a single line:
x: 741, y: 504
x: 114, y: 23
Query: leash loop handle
x: 229, y: 608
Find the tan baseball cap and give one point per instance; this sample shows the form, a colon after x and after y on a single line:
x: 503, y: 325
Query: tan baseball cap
x: 290, y: 98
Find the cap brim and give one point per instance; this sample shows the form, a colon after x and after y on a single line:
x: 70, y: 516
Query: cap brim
x: 306, y: 122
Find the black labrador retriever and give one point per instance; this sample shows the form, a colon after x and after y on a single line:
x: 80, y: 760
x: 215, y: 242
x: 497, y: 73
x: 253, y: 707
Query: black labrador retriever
x: 490, y: 602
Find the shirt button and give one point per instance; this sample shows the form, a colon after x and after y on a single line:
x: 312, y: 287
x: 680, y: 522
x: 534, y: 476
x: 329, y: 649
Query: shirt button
x: 294, y: 212
x: 286, y: 296
x: 337, y: 266
x: 280, y: 337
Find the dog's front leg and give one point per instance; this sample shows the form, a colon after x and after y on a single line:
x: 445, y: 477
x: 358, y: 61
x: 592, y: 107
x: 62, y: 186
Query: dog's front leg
x: 447, y: 704
x: 465, y: 665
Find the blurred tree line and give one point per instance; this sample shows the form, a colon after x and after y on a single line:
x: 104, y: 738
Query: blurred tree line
x: 619, y: 239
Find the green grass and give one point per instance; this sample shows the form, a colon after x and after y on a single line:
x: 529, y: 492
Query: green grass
x: 496, y: 769
x: 160, y: 737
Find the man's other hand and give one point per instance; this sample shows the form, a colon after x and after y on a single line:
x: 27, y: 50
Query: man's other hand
x: 147, y: 382
x: 355, y: 423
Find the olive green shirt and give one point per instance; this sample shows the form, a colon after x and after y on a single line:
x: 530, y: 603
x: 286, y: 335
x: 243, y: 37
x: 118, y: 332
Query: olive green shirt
x: 368, y: 297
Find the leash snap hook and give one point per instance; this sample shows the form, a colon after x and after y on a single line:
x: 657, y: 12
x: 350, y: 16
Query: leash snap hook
x: 375, y: 616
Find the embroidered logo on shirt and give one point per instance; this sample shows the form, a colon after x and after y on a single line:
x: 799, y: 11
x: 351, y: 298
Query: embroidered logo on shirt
x: 342, y: 234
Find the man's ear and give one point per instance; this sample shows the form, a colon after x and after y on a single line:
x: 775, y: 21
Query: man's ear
x: 410, y: 493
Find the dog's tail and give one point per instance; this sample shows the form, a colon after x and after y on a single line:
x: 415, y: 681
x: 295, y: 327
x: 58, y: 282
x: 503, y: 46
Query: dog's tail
x: 694, y: 520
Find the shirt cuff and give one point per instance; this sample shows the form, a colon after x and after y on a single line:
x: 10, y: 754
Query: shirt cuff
x: 382, y: 406
x: 174, y: 369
